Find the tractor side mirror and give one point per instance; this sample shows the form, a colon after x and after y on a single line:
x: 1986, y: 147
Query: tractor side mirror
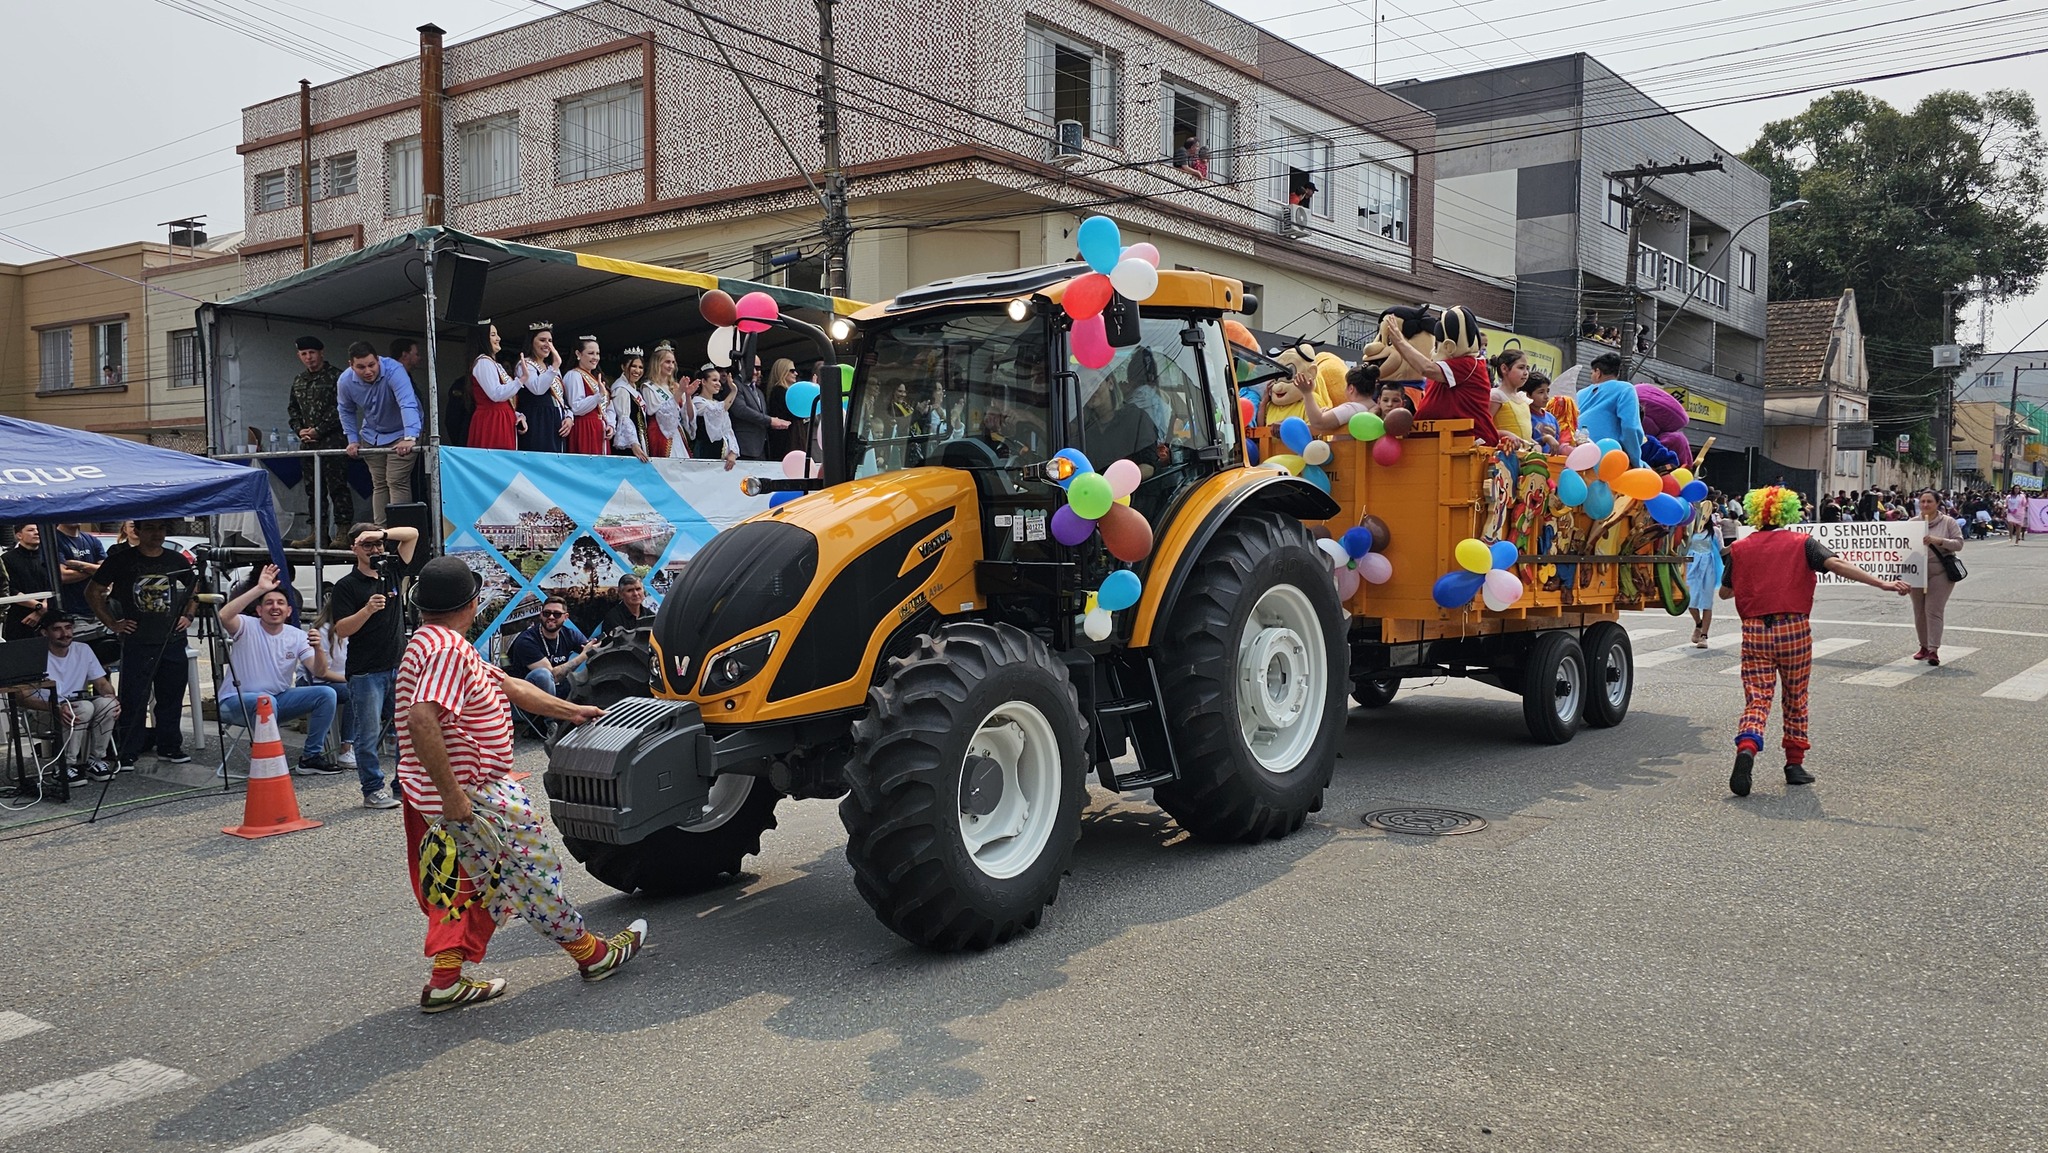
x: 1122, y: 322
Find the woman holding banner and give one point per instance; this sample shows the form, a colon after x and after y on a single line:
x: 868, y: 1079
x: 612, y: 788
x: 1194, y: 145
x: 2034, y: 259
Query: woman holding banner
x: 1944, y: 538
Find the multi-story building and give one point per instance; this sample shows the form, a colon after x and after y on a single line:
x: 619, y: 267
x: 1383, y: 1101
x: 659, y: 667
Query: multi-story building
x: 1524, y: 191
x: 973, y: 135
x: 1817, y: 391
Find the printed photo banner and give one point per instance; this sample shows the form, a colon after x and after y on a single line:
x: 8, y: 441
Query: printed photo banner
x: 536, y: 525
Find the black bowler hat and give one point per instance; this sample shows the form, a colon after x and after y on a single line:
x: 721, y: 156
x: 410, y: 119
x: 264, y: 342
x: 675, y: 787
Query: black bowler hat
x: 311, y: 342
x: 444, y: 585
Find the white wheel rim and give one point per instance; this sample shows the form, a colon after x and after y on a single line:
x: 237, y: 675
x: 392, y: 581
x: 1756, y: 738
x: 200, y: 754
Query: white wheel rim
x: 1567, y: 687
x: 1617, y: 665
x: 1012, y: 837
x: 1282, y: 679
x: 728, y: 793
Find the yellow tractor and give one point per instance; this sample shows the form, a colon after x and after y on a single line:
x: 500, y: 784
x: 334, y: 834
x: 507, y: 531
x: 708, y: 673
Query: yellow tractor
x: 907, y: 633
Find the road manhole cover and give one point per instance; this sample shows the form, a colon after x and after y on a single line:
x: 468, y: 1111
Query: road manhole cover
x: 1424, y: 822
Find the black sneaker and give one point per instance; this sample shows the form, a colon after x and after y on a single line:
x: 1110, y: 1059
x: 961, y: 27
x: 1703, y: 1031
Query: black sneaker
x: 181, y: 757
x: 1738, y: 781
x: 125, y: 767
x: 1796, y: 774
x: 100, y: 770
x: 318, y: 765
x: 74, y: 774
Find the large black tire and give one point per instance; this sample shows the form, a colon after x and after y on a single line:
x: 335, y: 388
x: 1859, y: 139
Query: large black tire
x: 1554, y: 688
x: 1610, y: 674
x: 972, y: 689
x: 621, y: 667
x: 1225, y: 792
x: 1375, y: 692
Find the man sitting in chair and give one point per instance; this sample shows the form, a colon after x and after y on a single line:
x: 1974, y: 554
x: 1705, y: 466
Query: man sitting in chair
x: 264, y: 659
x: 550, y: 649
x: 79, y: 725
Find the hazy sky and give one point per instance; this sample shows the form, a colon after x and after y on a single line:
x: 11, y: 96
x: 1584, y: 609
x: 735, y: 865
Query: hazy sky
x: 126, y: 111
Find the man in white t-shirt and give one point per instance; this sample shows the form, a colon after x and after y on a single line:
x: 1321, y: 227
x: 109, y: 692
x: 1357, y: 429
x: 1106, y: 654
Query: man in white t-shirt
x: 265, y: 656
x: 84, y: 723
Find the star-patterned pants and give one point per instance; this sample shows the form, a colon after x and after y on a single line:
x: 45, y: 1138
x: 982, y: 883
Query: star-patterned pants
x: 530, y: 869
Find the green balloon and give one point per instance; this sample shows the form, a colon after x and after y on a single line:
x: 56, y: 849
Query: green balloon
x: 846, y: 379
x: 1089, y: 496
x: 1367, y: 426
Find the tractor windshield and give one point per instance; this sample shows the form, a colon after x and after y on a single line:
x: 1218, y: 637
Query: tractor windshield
x: 967, y: 389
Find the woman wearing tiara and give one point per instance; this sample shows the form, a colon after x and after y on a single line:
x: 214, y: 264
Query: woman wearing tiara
x: 708, y: 424
x: 584, y: 389
x: 496, y: 422
x: 540, y: 400
x: 628, y: 413
x: 658, y: 400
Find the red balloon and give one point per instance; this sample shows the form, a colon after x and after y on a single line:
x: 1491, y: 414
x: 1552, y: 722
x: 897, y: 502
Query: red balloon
x: 1247, y: 412
x: 1087, y: 296
x: 718, y: 309
x: 1671, y: 484
x: 1126, y: 533
x: 1387, y: 450
x: 1400, y: 422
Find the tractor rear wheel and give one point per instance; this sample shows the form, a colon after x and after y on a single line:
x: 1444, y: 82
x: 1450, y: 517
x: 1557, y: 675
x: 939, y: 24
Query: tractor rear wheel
x: 1253, y: 662
x: 965, y: 787
x: 1375, y: 692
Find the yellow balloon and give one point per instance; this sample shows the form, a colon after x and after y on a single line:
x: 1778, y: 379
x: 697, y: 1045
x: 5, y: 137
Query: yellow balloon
x: 1290, y: 462
x: 1682, y: 475
x: 1640, y: 483
x: 1473, y: 555
x: 1124, y: 500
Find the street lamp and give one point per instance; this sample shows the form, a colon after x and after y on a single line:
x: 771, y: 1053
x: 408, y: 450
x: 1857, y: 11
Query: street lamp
x: 1692, y: 288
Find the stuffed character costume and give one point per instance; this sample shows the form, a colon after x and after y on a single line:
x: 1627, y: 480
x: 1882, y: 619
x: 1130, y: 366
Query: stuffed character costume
x: 1419, y: 328
x: 1466, y: 390
x: 1609, y: 410
x: 1284, y: 397
x: 1565, y: 409
x: 1664, y: 446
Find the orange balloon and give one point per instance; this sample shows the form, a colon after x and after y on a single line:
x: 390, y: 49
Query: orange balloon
x: 1126, y: 533
x: 1640, y: 483
x: 1612, y: 465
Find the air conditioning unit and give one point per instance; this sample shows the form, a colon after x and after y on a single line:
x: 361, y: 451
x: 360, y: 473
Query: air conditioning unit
x: 1066, y: 145
x: 1294, y: 221
x: 1700, y: 247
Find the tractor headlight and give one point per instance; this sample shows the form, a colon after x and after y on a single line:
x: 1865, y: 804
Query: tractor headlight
x: 730, y: 668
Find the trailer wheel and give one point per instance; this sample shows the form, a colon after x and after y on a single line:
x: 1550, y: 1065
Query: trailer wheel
x: 1375, y: 692
x: 965, y: 787
x: 1610, y: 673
x: 1554, y: 688
x: 1253, y: 662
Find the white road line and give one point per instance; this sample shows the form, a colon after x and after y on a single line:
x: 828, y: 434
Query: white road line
x: 1902, y: 670
x: 1823, y: 647
x: 2031, y: 685
x: 310, y: 1139
x: 1945, y: 628
x: 1635, y: 635
x: 57, y: 1102
x: 1682, y: 652
x: 13, y: 1025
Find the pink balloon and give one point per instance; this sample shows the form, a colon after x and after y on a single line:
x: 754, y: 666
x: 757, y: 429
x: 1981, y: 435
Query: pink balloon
x: 1090, y: 341
x: 1347, y: 583
x: 1501, y: 589
x: 1123, y: 477
x: 1583, y: 457
x: 1376, y: 568
x: 755, y: 311
x: 793, y: 465
x: 1144, y: 252
x: 1386, y: 451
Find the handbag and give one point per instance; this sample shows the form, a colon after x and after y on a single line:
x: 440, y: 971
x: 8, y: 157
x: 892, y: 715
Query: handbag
x: 1952, y: 565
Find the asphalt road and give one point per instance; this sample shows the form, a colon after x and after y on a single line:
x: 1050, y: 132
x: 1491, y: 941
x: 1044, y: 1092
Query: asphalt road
x: 1625, y: 958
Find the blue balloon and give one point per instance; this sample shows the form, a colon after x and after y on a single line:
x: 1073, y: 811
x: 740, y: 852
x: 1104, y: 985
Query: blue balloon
x: 1080, y: 460
x: 1456, y: 589
x: 1101, y: 245
x: 1120, y: 590
x: 1356, y: 541
x: 1316, y: 477
x: 1505, y: 554
x: 1608, y: 444
x: 781, y: 498
x: 1694, y: 491
x: 1668, y: 510
x: 802, y: 399
x: 1295, y: 433
x: 1571, y: 489
x: 1599, y: 500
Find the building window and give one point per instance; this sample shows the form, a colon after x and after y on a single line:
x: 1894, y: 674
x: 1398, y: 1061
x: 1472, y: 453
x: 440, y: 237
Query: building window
x: 1069, y: 79
x: 404, y: 192
x: 110, y: 352
x: 488, y: 158
x: 601, y: 133
x: 184, y: 350
x: 1615, y: 213
x: 56, y: 347
x: 1302, y: 166
x: 1747, y: 270
x: 275, y: 190
x: 1383, y: 203
x: 1205, y: 120
x: 335, y: 176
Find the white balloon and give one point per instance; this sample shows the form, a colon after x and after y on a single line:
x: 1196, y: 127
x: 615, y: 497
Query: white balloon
x: 1338, y: 557
x: 1317, y: 453
x: 1098, y: 624
x: 718, y: 350
x: 1501, y: 590
x: 1134, y: 279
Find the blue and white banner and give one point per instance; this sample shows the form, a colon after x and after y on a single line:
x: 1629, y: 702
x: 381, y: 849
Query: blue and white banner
x: 536, y: 525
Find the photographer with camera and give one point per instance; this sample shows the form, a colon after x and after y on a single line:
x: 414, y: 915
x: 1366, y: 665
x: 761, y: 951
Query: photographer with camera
x: 366, y: 611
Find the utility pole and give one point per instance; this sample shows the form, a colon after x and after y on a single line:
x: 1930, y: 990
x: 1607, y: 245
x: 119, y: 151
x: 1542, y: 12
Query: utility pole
x: 2012, y: 426
x: 1634, y: 180
x: 837, y: 228
x: 305, y: 174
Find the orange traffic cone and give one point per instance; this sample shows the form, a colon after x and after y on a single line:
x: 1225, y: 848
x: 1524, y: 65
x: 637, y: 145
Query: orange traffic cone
x: 270, y: 807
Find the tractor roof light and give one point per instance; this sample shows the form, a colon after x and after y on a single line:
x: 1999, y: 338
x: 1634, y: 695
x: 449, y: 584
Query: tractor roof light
x: 840, y: 329
x: 1021, y: 309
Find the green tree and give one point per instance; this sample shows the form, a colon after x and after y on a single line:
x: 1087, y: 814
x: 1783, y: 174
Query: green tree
x: 1906, y: 206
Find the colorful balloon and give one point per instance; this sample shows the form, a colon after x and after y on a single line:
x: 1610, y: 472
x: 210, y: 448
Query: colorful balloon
x: 1668, y: 510
x: 1455, y: 589
x: 1356, y: 542
x: 777, y: 499
x: 1571, y: 487
x: 1316, y: 477
x: 1583, y: 457
x: 1347, y: 583
x: 1684, y: 476
x: 793, y: 464
x: 1089, y: 495
x: 802, y: 399
x: 1123, y: 477
x: 1500, y: 590
x: 1599, y: 500
x: 1505, y: 554
x: 1694, y: 491
x: 1069, y: 463
x: 1400, y: 422
x: 1386, y: 450
x: 1613, y: 463
x: 1090, y: 341
x: 1126, y: 533
x: 1134, y: 279
x: 1336, y: 553
x: 1608, y: 444
x: 1375, y: 568
x: 1287, y: 461
x: 1087, y: 296
x: 1100, y: 243
x: 1472, y: 555
x: 1120, y: 590
x: 1247, y: 412
x: 1367, y: 426
x: 1098, y: 624
x: 1671, y: 484
x: 1640, y: 483
x: 1145, y: 251
x: 756, y: 312
x: 1382, y: 536
x: 718, y: 347
x: 1071, y: 528
x: 1295, y: 433
x: 716, y: 307
x: 1316, y: 453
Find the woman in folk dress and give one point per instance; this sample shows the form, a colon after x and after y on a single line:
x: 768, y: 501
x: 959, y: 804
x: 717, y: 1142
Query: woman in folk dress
x: 541, y: 402
x: 583, y: 388
x: 628, y: 415
x: 658, y: 400
x: 496, y: 422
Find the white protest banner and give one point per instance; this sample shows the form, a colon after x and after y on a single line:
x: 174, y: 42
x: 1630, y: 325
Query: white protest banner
x: 1887, y: 550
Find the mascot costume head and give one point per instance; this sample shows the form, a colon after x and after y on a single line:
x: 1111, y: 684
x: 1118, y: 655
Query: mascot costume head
x: 1457, y: 333
x: 1418, y: 326
x: 1284, y: 396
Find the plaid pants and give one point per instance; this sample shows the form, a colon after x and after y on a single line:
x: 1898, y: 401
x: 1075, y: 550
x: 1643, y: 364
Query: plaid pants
x: 1775, y: 648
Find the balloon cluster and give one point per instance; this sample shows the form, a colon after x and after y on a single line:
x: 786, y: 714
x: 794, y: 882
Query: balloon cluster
x: 1483, y: 568
x: 1100, y: 502
x: 1306, y: 455
x: 1132, y: 273
x: 755, y: 312
x: 1358, y: 555
x: 1120, y: 590
x: 1669, y: 499
x: 1382, y: 433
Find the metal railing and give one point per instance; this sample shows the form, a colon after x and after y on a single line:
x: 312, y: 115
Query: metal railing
x: 1664, y: 270
x: 319, y: 553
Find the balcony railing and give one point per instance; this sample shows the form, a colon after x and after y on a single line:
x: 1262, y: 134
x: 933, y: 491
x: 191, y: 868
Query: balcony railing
x: 1660, y: 269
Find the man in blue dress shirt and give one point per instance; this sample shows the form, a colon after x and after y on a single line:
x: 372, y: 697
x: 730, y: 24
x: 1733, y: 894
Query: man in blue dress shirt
x: 379, y: 410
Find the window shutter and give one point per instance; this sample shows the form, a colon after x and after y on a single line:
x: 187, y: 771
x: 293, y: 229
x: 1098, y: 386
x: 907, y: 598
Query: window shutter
x: 1037, y: 74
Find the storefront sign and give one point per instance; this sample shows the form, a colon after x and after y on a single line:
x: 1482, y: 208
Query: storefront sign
x: 1904, y: 444
x: 1887, y: 550
x: 1699, y: 406
x: 1547, y: 359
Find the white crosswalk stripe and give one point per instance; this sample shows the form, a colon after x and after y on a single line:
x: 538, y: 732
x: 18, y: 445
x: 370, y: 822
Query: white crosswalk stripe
x: 2031, y: 685
x: 309, y: 1139
x: 58, y: 1102
x: 1686, y: 651
x: 1825, y: 646
x: 1904, y: 669
x: 1635, y: 635
x: 13, y: 1025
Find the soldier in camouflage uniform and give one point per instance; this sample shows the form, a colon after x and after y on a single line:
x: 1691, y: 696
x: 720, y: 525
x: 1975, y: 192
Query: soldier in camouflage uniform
x: 316, y: 419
